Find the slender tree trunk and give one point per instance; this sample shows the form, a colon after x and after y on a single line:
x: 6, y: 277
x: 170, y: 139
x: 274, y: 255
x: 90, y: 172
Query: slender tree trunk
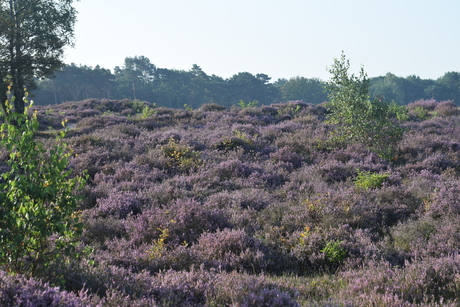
x: 134, y: 91
x: 16, y: 72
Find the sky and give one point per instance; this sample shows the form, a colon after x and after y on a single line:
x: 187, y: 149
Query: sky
x: 279, y: 38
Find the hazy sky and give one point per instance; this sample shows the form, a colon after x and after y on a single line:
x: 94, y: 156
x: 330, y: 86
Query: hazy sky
x: 280, y: 38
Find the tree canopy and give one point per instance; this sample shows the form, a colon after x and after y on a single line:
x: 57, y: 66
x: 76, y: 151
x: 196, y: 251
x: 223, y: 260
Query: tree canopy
x: 33, y: 34
x: 138, y: 78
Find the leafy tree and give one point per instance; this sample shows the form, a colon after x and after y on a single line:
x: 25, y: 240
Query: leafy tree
x: 300, y: 88
x: 219, y: 91
x: 135, y: 78
x: 247, y: 87
x: 73, y: 83
x: 372, y: 123
x: 448, y: 87
x: 400, y: 90
x: 33, y: 34
x: 417, y: 88
x: 388, y: 87
x: 172, y: 88
x: 38, y: 215
x: 198, y: 87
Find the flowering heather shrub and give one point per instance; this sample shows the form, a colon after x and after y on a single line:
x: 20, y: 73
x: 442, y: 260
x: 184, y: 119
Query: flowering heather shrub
x: 88, y: 113
x: 435, y: 162
x: 412, y: 236
x: 286, y: 205
x: 97, y: 230
x: 154, y: 158
x: 445, y: 240
x: 233, y: 168
x: 151, y: 258
x: 184, y: 289
x: 422, y: 184
x: 118, y: 205
x: 427, y: 282
x: 233, y: 175
x: 305, y: 141
x: 446, y: 108
x: 165, y: 136
x: 307, y: 251
x: 366, y: 209
x: 185, y: 219
x: 90, y: 161
x: 268, y: 110
x: 427, y: 237
x: 355, y: 154
x: 49, y: 118
x: 102, y: 278
x: 328, y: 249
x: 427, y: 104
x: 128, y: 176
x: 334, y: 171
x: 235, y: 142
x: 20, y: 291
x: 247, y: 290
x: 202, y: 288
x: 212, y: 107
x: 120, y: 131
x: 286, y: 155
x: 89, y: 124
x: 115, y: 298
x: 445, y: 202
x: 251, y: 198
x: 189, y: 219
x: 231, y: 250
x: 364, y: 246
x: 417, y: 147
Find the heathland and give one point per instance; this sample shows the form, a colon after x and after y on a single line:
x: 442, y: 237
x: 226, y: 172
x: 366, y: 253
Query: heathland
x: 252, y: 206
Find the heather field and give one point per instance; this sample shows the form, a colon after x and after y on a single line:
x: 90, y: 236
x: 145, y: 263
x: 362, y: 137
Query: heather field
x: 252, y: 206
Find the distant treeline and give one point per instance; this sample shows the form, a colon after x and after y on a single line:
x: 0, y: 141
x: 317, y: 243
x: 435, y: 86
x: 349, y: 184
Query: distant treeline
x: 139, y: 79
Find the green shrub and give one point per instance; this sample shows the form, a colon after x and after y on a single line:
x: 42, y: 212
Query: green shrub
x: 408, y: 235
x: 181, y: 156
x: 421, y: 113
x: 369, y: 180
x: 400, y: 112
x: 334, y: 251
x: 252, y: 104
x: 148, y: 111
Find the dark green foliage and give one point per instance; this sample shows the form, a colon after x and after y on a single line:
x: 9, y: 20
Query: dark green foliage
x: 33, y: 35
x: 307, y: 90
x: 138, y: 78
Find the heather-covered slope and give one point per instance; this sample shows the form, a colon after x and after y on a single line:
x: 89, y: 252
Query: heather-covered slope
x: 256, y: 207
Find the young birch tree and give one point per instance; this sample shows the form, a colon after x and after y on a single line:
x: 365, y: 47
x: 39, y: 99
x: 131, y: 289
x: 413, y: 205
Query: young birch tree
x: 372, y: 123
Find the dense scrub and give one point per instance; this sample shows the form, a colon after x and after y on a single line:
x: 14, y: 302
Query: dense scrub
x: 254, y: 207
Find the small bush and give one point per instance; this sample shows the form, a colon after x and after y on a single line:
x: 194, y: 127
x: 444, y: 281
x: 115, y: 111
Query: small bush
x: 181, y: 156
x: 19, y: 291
x: 368, y: 180
x: 231, y: 250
